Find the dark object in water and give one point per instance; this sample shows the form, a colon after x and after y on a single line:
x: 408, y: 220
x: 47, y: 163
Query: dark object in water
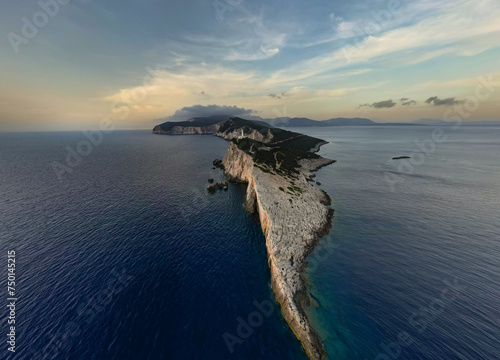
x: 214, y: 187
x: 401, y: 157
x: 218, y: 163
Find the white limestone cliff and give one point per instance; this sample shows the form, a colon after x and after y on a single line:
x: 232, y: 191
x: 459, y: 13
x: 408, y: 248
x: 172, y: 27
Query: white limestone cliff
x: 292, y: 222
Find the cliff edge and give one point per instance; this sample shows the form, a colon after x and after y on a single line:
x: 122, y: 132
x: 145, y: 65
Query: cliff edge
x: 277, y: 165
x: 292, y: 220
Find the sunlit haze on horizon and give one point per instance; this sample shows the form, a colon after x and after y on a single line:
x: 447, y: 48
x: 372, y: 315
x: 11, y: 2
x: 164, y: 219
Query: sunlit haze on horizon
x: 66, y: 65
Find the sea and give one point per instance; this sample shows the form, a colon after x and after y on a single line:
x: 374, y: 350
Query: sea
x: 120, y: 253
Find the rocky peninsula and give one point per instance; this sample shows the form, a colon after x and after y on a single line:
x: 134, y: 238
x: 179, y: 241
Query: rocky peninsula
x: 278, y: 166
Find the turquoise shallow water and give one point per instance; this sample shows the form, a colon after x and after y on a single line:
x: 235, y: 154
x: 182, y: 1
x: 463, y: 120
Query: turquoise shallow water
x: 393, y: 251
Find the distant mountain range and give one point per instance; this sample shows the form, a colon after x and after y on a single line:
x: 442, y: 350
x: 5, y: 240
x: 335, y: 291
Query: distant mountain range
x: 440, y: 122
x: 305, y: 122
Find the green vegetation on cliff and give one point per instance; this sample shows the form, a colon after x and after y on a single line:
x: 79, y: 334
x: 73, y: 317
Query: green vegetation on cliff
x: 278, y: 151
x: 194, y: 122
x: 282, y: 159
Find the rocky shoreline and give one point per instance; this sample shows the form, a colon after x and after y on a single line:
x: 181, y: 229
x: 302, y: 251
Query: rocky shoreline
x: 292, y: 226
x: 278, y: 167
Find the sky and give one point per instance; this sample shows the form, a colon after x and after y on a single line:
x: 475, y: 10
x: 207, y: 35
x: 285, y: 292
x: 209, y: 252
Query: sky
x: 69, y: 64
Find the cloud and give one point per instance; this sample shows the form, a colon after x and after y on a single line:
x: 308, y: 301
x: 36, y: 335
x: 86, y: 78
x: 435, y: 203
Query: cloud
x: 334, y: 18
x: 434, y: 100
x: 384, y: 104
x: 387, y: 104
x: 380, y: 104
x: 189, y: 112
x: 262, y: 42
x: 407, y: 102
x: 269, y: 52
x: 212, y: 62
x: 243, y: 36
x: 279, y: 96
x: 442, y: 28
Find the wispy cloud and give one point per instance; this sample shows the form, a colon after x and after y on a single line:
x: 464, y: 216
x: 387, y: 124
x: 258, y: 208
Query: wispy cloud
x: 327, y: 57
x: 407, y: 102
x: 444, y: 28
x: 279, y: 96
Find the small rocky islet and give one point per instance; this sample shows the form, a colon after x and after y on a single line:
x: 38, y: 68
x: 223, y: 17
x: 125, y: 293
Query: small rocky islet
x: 401, y: 157
x: 222, y: 185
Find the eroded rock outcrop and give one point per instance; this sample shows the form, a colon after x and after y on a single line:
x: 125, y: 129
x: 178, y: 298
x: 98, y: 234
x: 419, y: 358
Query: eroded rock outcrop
x: 218, y: 164
x: 277, y: 165
x: 214, y: 187
x: 188, y: 130
x: 293, y: 217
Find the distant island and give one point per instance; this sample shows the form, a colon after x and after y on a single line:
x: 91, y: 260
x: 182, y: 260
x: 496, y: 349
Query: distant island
x: 305, y: 122
x: 276, y: 122
x: 286, y: 122
x: 278, y: 167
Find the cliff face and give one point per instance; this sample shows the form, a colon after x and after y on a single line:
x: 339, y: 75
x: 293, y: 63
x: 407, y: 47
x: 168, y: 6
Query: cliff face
x: 188, y: 130
x: 215, y: 129
x: 292, y: 222
x: 247, y: 133
x: 276, y: 164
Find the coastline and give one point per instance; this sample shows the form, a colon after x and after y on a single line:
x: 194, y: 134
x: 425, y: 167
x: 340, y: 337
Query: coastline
x: 318, y: 146
x: 292, y: 230
x: 278, y: 166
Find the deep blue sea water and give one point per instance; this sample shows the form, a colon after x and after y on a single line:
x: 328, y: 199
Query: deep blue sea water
x: 137, y: 207
x: 397, y: 249
x: 128, y: 258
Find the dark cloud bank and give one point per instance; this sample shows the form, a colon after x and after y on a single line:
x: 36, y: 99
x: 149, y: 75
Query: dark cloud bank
x: 434, y: 100
x: 443, y: 102
x: 380, y: 104
x: 387, y: 104
x: 189, y: 112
